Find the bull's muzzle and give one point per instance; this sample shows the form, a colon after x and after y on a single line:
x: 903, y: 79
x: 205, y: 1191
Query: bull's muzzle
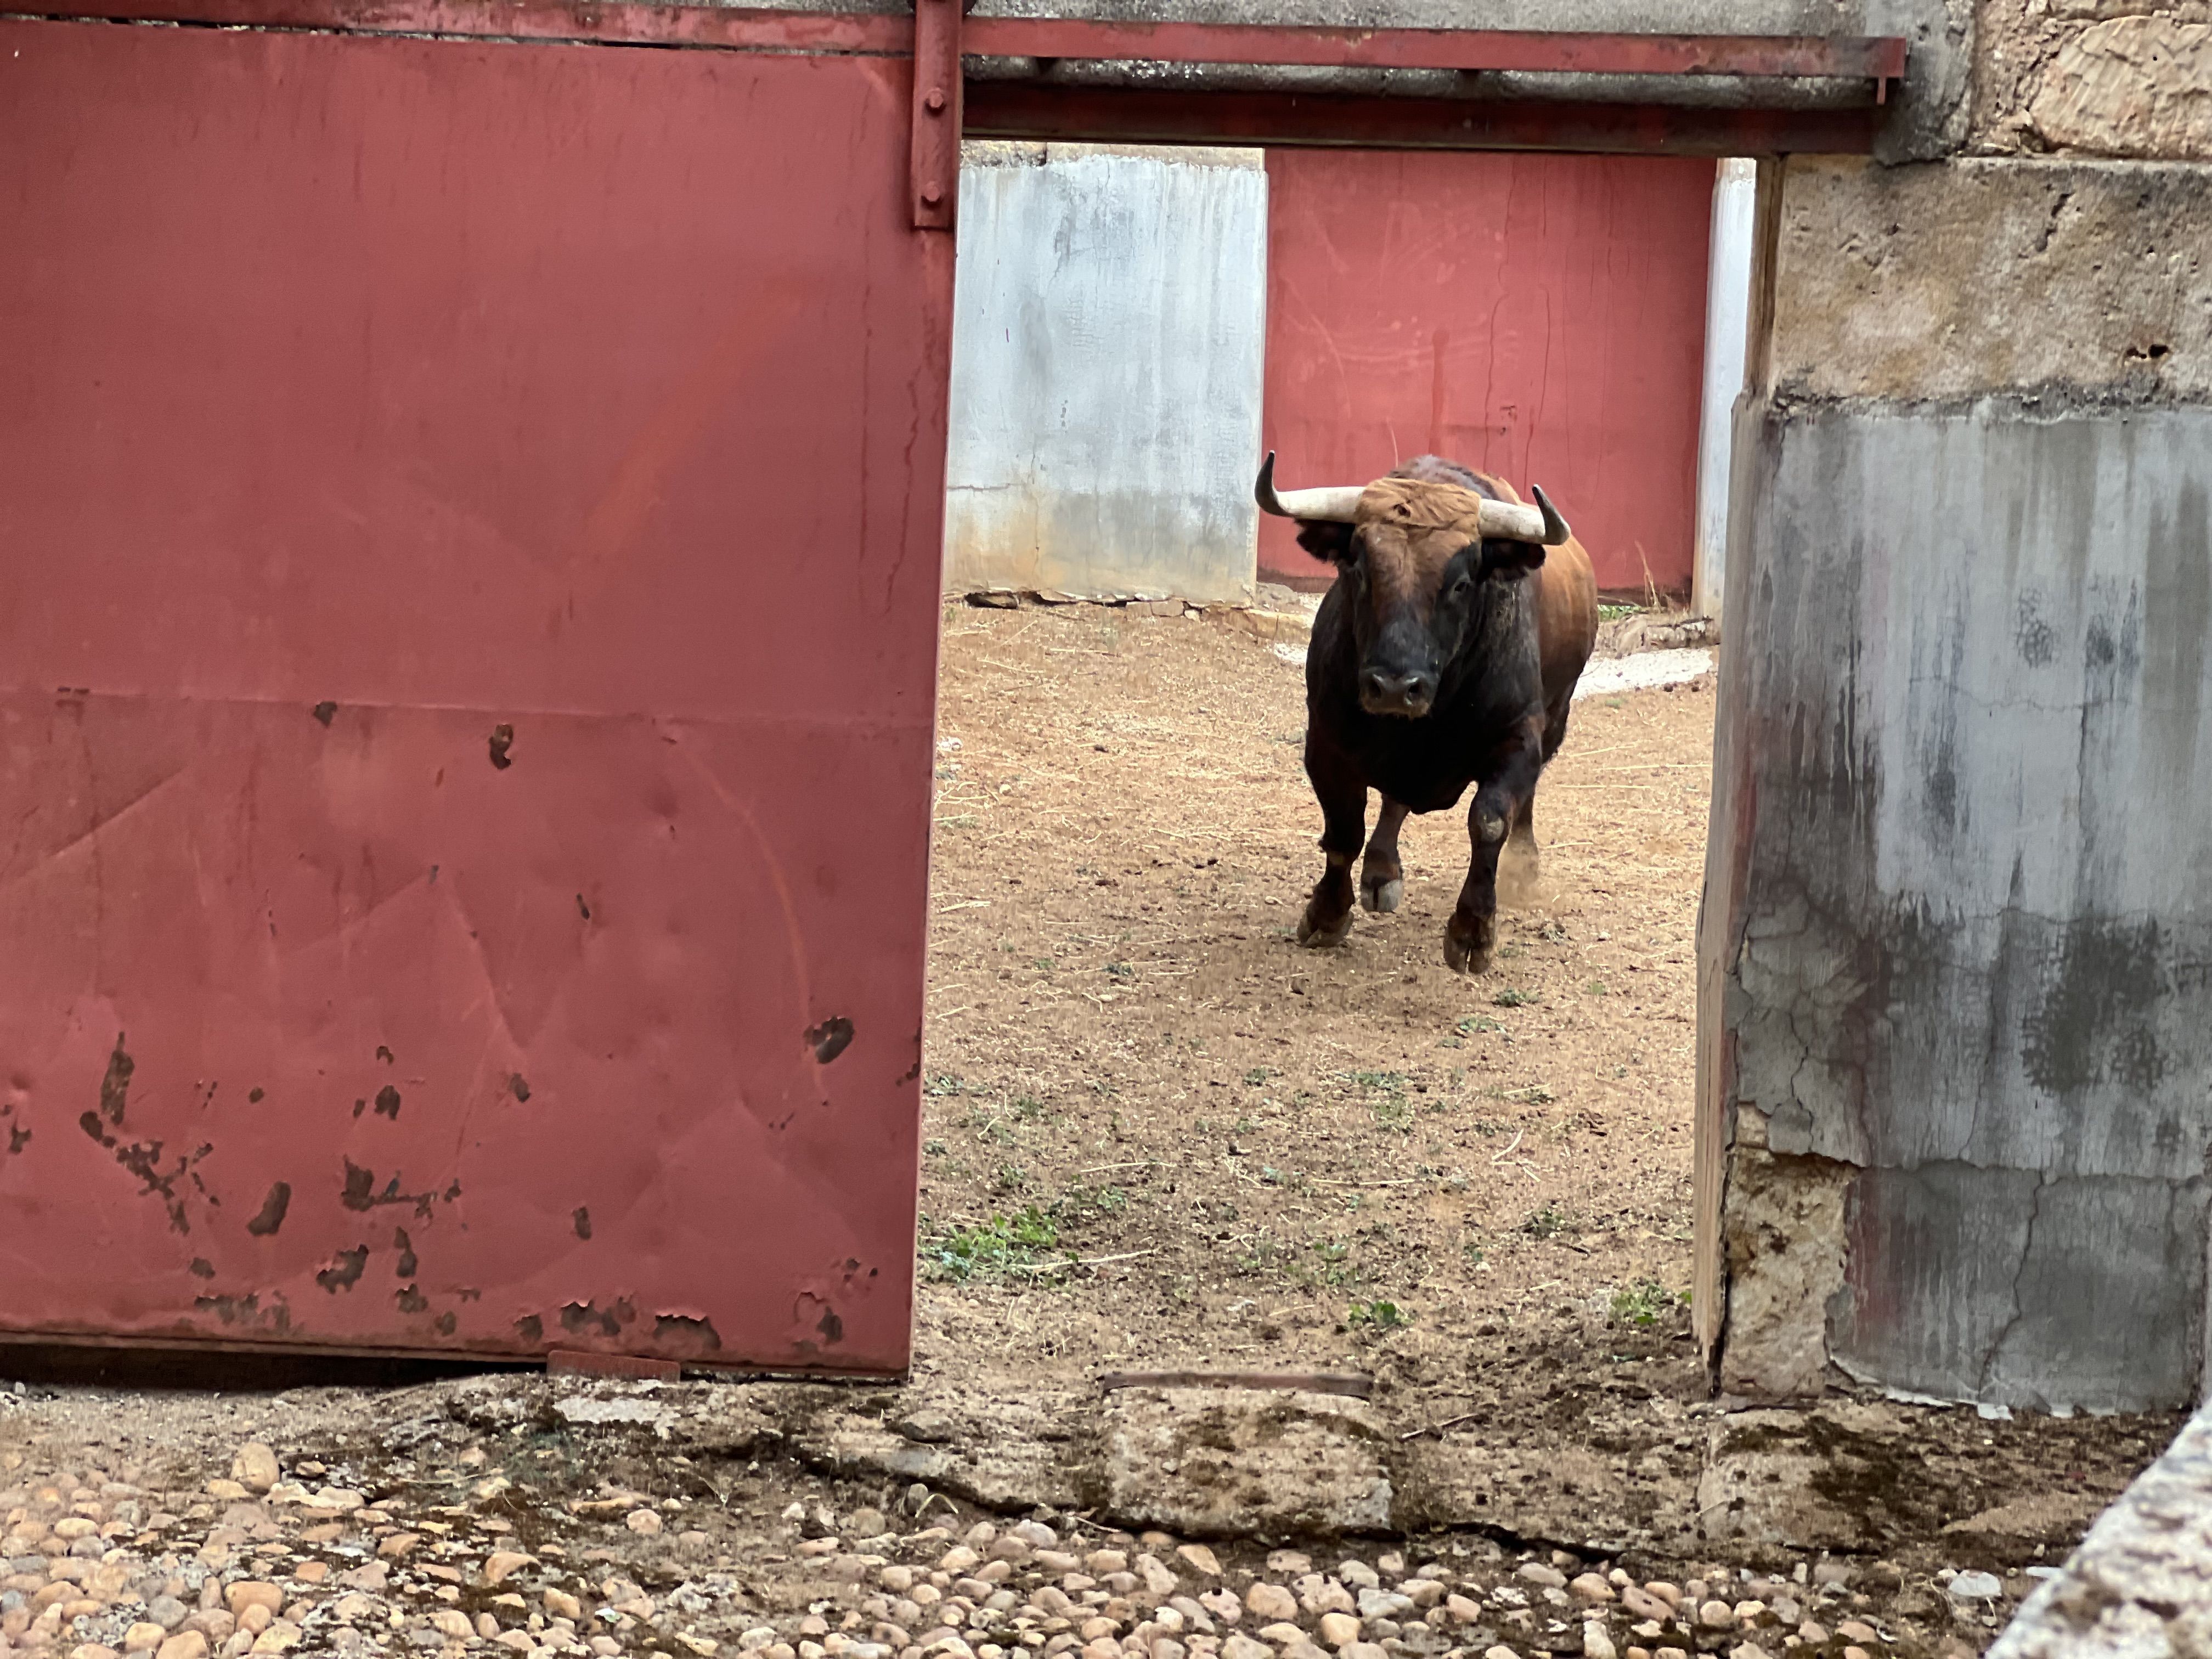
x: 1408, y: 696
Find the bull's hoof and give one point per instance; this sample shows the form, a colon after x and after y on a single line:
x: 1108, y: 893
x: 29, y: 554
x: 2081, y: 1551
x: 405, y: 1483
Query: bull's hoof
x: 1316, y: 935
x: 1382, y: 895
x: 1469, y: 955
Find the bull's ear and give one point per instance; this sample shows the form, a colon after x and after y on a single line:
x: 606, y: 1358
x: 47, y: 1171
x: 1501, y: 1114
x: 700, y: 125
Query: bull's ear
x: 1511, y: 561
x: 1326, y: 539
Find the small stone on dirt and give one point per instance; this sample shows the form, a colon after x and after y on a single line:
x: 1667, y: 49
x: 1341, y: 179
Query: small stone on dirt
x: 501, y: 1565
x: 1201, y: 1558
x: 1591, y: 1588
x: 1536, y: 1572
x: 191, y: 1644
x: 643, y: 1521
x: 255, y: 1467
x: 1976, y: 1586
x: 1269, y: 1602
x: 1339, y: 1629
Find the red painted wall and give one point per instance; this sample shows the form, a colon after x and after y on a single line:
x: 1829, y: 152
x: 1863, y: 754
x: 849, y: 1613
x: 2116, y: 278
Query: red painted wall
x: 364, y: 402
x: 1538, y: 317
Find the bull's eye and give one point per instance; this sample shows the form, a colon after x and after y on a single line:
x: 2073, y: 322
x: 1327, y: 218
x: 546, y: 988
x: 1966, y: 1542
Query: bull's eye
x: 1459, y: 588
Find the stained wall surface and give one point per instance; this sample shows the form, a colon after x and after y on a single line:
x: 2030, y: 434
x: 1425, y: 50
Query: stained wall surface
x: 1956, y: 1014
x: 1109, y: 327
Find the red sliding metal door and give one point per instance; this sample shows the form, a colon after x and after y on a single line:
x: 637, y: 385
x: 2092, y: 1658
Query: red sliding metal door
x: 469, y: 537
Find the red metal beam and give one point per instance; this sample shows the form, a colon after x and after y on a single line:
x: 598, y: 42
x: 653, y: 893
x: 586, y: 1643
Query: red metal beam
x: 1017, y: 109
x: 935, y: 157
x: 1847, y: 57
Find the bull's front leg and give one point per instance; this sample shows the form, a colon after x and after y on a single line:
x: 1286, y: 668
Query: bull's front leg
x: 1382, y: 877
x: 1506, y: 786
x: 1341, y: 789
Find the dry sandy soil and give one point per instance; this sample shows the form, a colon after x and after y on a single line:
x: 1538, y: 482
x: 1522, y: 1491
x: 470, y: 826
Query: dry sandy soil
x: 1271, y: 1153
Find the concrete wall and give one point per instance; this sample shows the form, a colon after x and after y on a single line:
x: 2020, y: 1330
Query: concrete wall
x: 1110, y: 321
x: 1955, y: 1093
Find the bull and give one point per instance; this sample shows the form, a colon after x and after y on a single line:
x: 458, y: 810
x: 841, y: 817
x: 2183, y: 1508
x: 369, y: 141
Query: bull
x: 1444, y: 655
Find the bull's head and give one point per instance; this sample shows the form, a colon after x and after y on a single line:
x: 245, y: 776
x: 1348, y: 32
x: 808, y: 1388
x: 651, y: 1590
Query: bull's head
x: 1414, y: 556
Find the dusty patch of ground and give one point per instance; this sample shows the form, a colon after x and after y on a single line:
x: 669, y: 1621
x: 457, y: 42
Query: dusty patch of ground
x: 1274, y: 1154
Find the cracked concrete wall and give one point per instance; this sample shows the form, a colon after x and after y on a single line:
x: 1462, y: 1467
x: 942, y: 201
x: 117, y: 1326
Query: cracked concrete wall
x: 1958, y: 910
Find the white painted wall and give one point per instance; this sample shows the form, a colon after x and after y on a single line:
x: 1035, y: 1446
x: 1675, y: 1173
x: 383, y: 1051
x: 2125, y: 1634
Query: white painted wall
x: 1109, y: 347
x: 1728, y: 308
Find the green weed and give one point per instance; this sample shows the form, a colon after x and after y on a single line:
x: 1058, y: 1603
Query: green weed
x: 1027, y: 1243
x: 1376, y: 1316
x: 1644, y: 1303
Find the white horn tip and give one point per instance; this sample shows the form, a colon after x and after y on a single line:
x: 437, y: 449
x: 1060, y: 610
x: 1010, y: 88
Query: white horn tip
x: 1555, y: 526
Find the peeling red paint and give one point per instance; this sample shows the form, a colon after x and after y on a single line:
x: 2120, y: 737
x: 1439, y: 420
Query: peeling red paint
x: 482, y: 607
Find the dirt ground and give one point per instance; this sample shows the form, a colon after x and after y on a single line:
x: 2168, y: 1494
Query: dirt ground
x: 1159, y: 1135
x: 1263, y: 1152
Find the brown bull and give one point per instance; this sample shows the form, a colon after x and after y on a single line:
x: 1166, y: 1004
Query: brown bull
x: 1436, y: 663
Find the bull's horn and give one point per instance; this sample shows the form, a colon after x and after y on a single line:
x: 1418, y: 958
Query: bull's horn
x: 1517, y: 522
x: 1338, y: 503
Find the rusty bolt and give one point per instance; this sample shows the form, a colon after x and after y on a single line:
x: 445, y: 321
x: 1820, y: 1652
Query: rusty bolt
x: 931, y: 195
x: 935, y: 102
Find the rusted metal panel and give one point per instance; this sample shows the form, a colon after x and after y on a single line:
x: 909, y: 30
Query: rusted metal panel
x: 1029, y: 109
x: 1540, y: 316
x: 467, y: 649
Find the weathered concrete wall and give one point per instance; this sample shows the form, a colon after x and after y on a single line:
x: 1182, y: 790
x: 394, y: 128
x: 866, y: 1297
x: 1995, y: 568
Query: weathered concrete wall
x: 1974, y: 952
x: 2102, y: 77
x: 1109, y: 330
x: 1945, y: 281
x: 1957, y: 945
x: 2140, y: 1587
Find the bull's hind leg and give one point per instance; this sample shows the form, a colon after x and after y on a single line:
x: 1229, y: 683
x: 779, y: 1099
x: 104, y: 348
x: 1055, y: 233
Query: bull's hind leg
x: 1342, y: 792
x: 1520, y: 865
x: 1382, y: 877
